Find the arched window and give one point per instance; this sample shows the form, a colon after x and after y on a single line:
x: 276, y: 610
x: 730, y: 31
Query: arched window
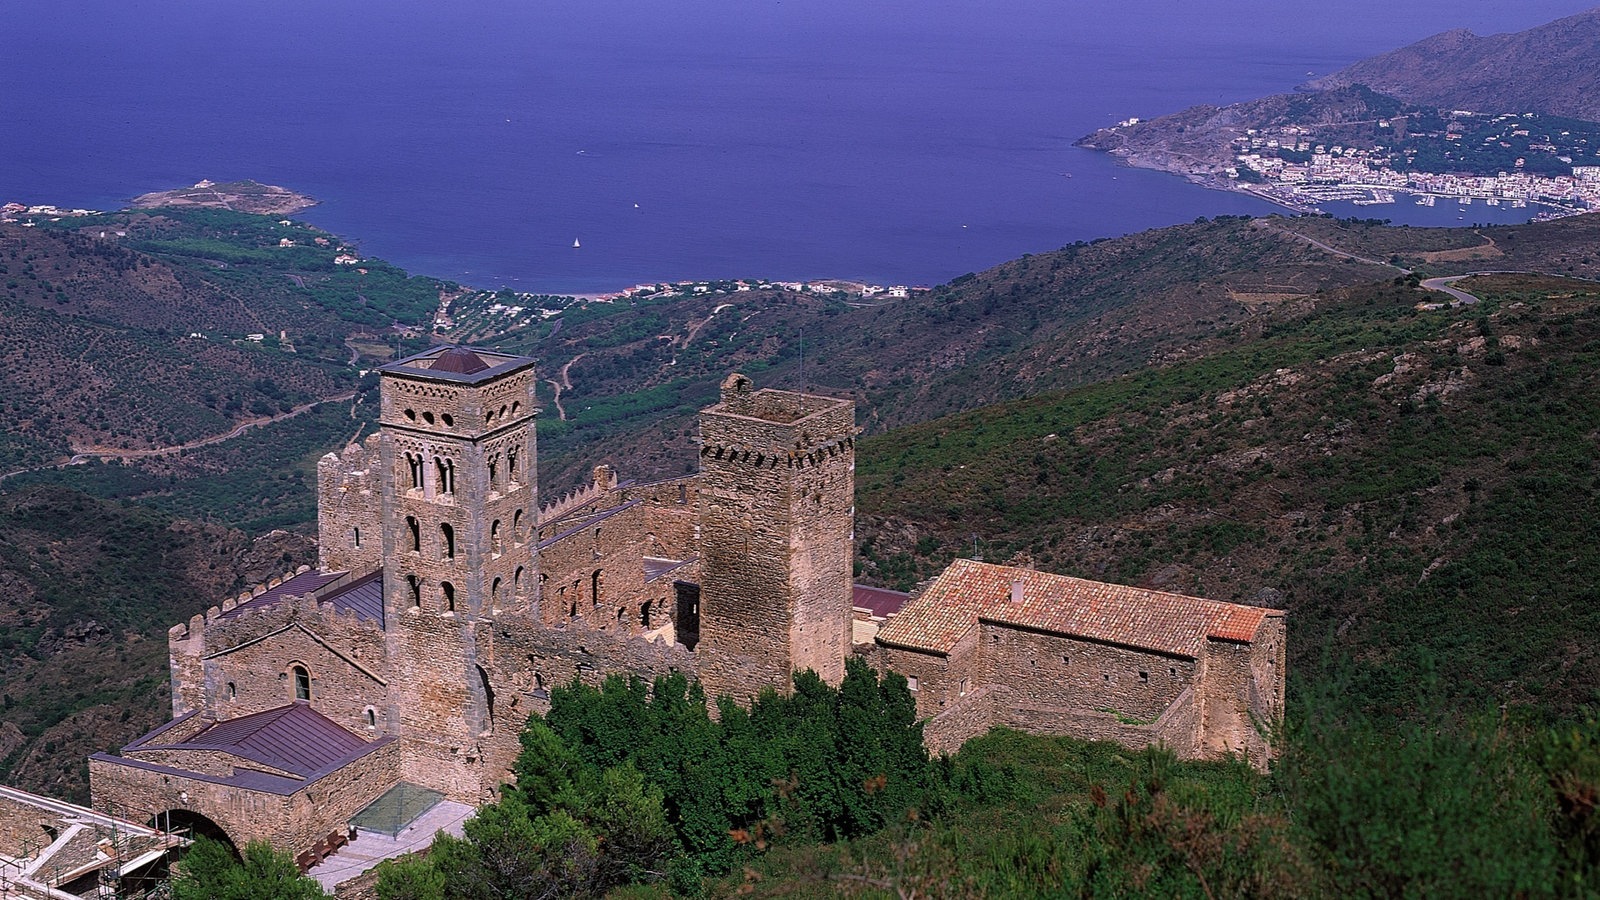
x: 516, y: 528
x: 449, y: 591
x: 644, y: 614
x: 594, y: 587
x: 233, y: 692
x: 414, y: 464
x: 415, y: 584
x: 494, y: 471
x: 447, y: 546
x: 372, y: 718
x: 355, y: 537
x: 302, y: 683
x: 494, y: 537
x: 516, y: 581
x: 494, y: 592
x: 447, y: 474
x: 511, y: 464
x: 415, y: 529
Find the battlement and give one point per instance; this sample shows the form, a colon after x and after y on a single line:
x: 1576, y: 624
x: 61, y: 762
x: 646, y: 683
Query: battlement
x: 771, y: 423
x: 235, y: 620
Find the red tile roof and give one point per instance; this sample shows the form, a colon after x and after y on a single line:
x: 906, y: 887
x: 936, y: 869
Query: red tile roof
x: 1112, y: 613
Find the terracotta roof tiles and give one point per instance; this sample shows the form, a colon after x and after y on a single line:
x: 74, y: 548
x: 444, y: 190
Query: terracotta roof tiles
x: 1112, y: 613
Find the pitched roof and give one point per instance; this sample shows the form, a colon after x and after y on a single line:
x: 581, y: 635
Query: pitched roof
x: 294, y: 738
x: 298, y: 586
x: 364, y: 597
x: 968, y: 591
x: 881, y: 602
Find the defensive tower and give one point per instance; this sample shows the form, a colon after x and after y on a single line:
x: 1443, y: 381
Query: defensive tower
x: 459, y: 498
x: 776, y: 530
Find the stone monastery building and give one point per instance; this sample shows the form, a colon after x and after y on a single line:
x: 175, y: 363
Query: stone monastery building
x: 448, y: 599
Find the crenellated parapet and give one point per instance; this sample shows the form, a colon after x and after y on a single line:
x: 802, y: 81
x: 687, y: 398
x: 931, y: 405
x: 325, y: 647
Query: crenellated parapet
x: 203, y: 680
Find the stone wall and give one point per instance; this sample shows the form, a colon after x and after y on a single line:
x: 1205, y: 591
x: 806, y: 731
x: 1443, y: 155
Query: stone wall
x: 242, y: 664
x: 349, y: 509
x: 23, y: 828
x: 1044, y: 671
x: 295, y: 820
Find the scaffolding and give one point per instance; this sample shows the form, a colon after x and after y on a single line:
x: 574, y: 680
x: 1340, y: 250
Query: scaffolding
x: 121, y: 851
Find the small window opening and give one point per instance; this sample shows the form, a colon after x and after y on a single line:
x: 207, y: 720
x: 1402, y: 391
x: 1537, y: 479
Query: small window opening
x: 233, y: 692
x: 516, y: 527
x: 448, y: 546
x: 1144, y: 677
x: 515, y: 405
x: 411, y: 414
x: 516, y: 581
x: 449, y: 591
x: 494, y: 538
x: 372, y: 719
x: 415, y: 529
x: 1066, y: 659
x: 912, y: 683
x: 447, y: 475
x: 573, y: 612
x: 427, y: 417
x: 302, y: 684
x: 414, y: 463
x: 355, y: 537
x: 511, y: 465
x: 415, y: 584
x: 1107, y: 678
x: 449, y: 420
x: 494, y: 592
x: 494, y: 472
x: 644, y: 614
x: 1173, y: 671
x: 595, y: 581
x: 622, y: 614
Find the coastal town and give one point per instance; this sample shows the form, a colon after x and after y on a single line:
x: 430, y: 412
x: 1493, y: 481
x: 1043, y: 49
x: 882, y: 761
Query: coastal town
x: 1292, y: 165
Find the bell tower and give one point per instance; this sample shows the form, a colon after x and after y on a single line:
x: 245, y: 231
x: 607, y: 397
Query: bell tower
x: 457, y: 453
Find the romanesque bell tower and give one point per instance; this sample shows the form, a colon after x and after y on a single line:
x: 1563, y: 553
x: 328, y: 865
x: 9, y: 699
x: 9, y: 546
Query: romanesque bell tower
x: 459, y: 498
x: 776, y: 530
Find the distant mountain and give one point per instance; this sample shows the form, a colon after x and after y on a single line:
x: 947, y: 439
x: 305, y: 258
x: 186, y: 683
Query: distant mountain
x: 1552, y: 69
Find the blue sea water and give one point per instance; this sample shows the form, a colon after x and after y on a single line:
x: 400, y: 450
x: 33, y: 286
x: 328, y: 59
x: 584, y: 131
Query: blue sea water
x: 887, y: 140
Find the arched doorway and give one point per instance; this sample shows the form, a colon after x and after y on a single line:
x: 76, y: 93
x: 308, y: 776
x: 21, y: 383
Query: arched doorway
x: 192, y: 824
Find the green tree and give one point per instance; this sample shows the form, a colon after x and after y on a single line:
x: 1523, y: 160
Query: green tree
x: 211, y: 872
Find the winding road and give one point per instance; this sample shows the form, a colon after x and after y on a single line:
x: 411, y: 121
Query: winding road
x: 1442, y: 284
x: 81, y: 455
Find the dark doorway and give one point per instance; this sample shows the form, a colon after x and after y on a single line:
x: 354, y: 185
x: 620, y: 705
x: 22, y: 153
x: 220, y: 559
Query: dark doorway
x: 687, y: 621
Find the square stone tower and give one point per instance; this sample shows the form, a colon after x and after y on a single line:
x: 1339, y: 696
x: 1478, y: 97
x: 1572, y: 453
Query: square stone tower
x: 776, y: 534
x: 457, y: 456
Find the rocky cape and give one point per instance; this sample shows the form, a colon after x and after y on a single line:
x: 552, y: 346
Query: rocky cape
x: 238, y: 196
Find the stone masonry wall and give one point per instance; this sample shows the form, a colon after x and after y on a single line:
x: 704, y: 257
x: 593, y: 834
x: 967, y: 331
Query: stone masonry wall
x: 1046, y: 671
x: 293, y: 821
x: 349, y: 509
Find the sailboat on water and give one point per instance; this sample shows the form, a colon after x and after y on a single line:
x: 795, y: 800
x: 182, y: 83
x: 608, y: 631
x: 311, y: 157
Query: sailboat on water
x: 575, y: 244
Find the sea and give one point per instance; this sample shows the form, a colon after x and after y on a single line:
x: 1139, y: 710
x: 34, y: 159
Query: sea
x: 887, y: 141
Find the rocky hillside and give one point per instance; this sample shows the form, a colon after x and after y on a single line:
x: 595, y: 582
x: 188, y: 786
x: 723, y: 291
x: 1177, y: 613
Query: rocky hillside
x: 91, y: 587
x: 1553, y: 69
x: 1417, y: 488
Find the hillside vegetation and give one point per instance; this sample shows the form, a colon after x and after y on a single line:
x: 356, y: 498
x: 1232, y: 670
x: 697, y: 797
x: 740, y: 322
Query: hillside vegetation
x: 1548, y: 69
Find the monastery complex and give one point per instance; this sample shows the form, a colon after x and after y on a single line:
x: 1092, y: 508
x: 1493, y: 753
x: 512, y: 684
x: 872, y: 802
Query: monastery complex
x: 448, y: 600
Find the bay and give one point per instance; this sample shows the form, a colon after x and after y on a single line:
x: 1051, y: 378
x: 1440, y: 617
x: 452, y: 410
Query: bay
x: 884, y: 140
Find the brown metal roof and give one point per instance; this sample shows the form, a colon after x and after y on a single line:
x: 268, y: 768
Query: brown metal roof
x: 364, y: 597
x: 460, y: 361
x: 1112, y: 613
x: 293, y: 738
x: 881, y: 602
x: 298, y: 586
